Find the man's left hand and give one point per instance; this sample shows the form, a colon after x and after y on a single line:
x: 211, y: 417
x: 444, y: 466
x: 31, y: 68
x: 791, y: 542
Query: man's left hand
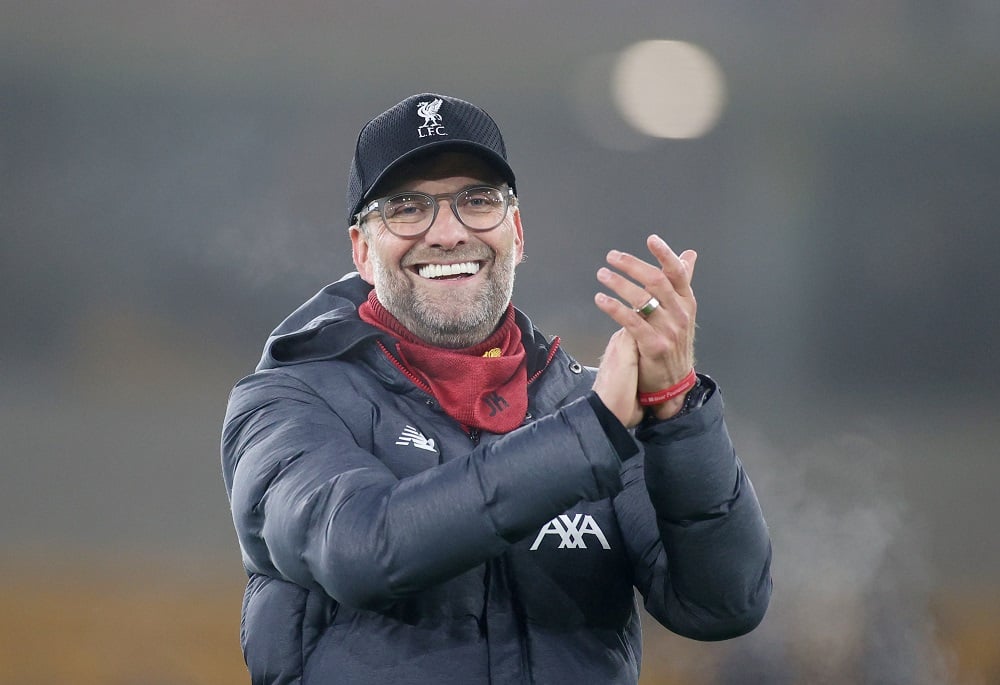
x: 665, y: 337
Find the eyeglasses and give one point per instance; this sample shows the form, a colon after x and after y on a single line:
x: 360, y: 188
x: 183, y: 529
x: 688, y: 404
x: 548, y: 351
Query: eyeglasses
x: 410, y: 214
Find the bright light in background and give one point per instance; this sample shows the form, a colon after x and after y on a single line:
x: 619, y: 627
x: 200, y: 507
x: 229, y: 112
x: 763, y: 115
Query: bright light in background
x: 668, y: 89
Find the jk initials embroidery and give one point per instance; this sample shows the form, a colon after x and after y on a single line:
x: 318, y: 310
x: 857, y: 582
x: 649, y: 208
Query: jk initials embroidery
x: 496, y: 403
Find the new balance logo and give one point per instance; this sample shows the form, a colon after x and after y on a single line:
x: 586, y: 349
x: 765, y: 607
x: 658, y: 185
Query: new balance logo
x: 571, y: 531
x: 411, y: 436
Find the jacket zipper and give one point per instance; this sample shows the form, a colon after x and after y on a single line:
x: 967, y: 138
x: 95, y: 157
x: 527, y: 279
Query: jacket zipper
x: 416, y: 380
x: 548, y: 359
x: 473, y: 433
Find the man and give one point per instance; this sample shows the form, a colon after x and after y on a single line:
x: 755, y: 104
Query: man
x: 428, y: 490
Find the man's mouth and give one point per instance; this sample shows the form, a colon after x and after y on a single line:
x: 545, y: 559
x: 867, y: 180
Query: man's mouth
x: 447, y: 271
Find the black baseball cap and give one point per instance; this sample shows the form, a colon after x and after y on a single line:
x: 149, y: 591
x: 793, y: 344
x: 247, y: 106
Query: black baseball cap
x: 415, y: 126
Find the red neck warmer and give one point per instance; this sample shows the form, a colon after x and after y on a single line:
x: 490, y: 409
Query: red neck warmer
x: 484, y: 386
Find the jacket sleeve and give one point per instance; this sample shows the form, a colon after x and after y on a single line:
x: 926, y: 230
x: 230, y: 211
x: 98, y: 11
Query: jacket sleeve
x: 312, y: 507
x: 698, y: 540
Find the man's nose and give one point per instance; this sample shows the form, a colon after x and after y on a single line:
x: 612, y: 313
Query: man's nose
x: 447, y: 231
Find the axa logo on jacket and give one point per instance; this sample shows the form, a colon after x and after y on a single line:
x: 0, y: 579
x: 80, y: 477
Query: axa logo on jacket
x: 571, y: 531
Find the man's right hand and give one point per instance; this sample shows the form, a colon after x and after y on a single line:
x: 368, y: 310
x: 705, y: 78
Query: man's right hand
x: 618, y: 377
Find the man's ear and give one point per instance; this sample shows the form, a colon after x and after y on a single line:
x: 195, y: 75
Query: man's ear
x: 359, y: 251
x: 518, y: 235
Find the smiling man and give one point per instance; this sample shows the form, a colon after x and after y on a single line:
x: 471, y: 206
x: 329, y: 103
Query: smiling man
x: 426, y: 489
x: 445, y: 289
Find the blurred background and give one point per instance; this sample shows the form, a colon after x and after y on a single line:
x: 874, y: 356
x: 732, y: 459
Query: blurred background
x: 173, y: 179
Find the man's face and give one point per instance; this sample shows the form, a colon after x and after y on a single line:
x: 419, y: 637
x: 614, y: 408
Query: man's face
x: 451, y: 311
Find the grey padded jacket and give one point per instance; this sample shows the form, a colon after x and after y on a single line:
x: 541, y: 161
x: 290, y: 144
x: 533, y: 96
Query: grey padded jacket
x: 386, y: 544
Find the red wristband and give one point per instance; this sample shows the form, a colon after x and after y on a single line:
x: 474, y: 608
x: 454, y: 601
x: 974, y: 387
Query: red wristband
x: 649, y: 399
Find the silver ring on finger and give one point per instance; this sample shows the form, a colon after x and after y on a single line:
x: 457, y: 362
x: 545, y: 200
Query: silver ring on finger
x: 650, y: 306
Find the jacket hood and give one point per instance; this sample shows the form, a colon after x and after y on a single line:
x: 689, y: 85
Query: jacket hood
x: 324, y: 327
x: 327, y: 326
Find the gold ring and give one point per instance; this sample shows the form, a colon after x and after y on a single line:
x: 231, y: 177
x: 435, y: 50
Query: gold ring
x: 648, y: 308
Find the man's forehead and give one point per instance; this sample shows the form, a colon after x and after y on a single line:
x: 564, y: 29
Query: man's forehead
x: 437, y: 166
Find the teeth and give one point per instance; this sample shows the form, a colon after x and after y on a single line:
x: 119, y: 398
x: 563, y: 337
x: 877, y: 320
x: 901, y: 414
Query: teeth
x: 442, y: 270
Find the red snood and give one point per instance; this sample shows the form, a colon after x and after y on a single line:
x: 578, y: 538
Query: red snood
x: 484, y: 386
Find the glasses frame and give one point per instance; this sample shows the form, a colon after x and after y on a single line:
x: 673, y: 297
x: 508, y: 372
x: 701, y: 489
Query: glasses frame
x: 506, y: 194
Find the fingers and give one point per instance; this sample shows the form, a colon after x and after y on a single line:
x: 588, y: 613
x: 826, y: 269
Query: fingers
x: 631, y: 293
x: 623, y: 315
x: 679, y: 269
x: 665, y: 337
x: 617, y: 378
x: 622, y: 347
x: 674, y: 272
x: 639, y: 280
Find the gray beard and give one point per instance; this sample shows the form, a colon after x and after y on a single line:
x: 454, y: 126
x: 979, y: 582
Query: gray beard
x: 450, y: 327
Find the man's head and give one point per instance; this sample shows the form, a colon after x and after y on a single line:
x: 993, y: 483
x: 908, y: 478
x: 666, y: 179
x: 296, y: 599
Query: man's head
x: 420, y: 125
x: 437, y: 230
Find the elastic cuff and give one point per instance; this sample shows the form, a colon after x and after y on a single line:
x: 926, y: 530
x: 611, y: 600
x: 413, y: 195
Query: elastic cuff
x: 697, y: 398
x: 617, y: 433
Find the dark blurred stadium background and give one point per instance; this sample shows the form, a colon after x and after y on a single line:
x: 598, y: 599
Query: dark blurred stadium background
x: 172, y: 184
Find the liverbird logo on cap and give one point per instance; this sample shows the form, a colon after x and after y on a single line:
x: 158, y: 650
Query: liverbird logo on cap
x: 432, y: 120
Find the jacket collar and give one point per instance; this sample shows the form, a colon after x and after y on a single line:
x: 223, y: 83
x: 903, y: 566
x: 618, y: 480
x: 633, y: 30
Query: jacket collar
x: 327, y: 326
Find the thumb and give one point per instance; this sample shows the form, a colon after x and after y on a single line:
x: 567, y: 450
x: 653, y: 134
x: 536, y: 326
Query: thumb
x: 689, y: 258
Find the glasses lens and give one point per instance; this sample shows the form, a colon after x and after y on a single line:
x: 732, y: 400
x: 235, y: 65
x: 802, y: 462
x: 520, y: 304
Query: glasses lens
x: 481, y: 208
x: 408, y: 213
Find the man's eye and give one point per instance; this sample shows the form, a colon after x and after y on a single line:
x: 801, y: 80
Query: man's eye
x: 481, y: 200
x: 406, y: 209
